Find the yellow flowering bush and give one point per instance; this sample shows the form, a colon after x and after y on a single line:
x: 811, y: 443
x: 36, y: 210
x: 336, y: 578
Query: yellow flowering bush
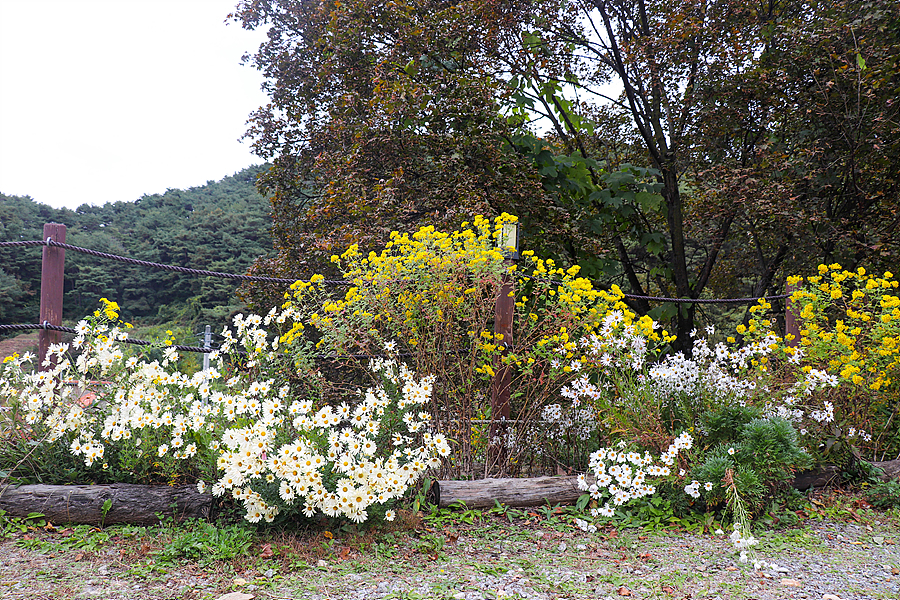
x: 850, y: 327
x: 431, y: 296
x: 845, y: 363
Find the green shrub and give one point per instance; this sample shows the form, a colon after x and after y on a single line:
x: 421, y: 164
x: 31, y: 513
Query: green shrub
x: 885, y: 494
x: 762, y: 457
x: 726, y: 422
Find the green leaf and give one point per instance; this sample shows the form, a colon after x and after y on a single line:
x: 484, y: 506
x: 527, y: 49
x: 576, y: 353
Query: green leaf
x: 582, y: 501
x: 649, y: 201
x: 860, y: 62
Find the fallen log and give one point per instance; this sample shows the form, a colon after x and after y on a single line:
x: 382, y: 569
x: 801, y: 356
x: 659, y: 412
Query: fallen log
x: 831, y: 475
x: 821, y: 477
x: 534, y: 491
x: 149, y: 504
x: 482, y: 493
x: 891, y: 469
x: 127, y: 503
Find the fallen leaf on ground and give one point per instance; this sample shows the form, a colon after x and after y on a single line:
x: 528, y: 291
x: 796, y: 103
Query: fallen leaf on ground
x: 266, y: 551
x: 624, y: 591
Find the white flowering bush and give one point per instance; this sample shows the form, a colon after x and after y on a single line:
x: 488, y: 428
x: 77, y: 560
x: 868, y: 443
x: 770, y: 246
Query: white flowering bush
x: 255, y: 426
x: 618, y: 476
x: 721, y: 395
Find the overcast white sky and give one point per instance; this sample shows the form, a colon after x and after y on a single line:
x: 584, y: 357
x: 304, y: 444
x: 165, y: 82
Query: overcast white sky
x: 106, y: 100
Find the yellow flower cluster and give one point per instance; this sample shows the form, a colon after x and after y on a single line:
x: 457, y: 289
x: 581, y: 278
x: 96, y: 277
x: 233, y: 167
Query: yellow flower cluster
x: 110, y: 309
x: 851, y: 321
x: 416, y: 283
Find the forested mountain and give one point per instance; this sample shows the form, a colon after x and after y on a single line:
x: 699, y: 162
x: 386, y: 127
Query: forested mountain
x: 221, y: 226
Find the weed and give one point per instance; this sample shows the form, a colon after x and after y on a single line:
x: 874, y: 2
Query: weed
x: 10, y: 526
x: 495, y: 570
x: 205, y: 543
x: 431, y: 544
x: 455, y: 513
x: 884, y: 495
x: 82, y: 537
x: 774, y: 543
x: 652, y: 514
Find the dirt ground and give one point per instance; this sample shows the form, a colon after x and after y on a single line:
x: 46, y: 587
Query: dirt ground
x: 20, y: 344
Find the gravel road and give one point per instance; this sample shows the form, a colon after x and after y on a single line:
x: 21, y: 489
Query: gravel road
x: 490, y: 559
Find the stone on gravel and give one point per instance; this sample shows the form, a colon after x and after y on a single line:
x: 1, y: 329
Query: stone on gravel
x: 236, y: 596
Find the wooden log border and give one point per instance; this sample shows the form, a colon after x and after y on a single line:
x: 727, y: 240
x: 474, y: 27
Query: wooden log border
x: 128, y: 503
x: 482, y: 493
x: 151, y: 504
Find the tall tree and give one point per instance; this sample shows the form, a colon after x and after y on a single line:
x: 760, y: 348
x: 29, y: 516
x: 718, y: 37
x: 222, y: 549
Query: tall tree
x: 382, y: 116
x: 716, y: 163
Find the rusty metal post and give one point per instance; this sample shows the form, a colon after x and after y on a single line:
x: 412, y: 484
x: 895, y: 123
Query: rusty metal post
x: 791, y: 327
x: 52, y: 270
x: 504, y: 309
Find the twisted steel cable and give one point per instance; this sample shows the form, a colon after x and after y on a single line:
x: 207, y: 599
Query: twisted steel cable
x: 154, y: 265
x: 199, y: 349
x: 204, y: 273
x: 31, y: 326
x: 676, y: 300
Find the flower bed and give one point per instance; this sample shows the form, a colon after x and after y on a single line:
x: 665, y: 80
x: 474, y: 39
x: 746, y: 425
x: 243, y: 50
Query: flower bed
x: 298, y: 414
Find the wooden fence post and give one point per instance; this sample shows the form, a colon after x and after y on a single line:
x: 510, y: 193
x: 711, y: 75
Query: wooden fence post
x: 52, y: 270
x: 791, y: 327
x: 504, y: 310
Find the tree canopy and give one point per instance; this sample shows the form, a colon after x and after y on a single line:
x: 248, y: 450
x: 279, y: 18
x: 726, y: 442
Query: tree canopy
x: 748, y: 137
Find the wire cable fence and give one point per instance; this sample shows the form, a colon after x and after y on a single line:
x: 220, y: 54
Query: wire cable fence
x: 49, y: 327
x: 336, y: 282
x: 342, y: 282
x: 155, y: 265
x: 182, y: 348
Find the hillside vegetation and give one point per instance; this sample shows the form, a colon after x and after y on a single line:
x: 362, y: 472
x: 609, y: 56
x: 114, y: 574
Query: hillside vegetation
x: 221, y: 226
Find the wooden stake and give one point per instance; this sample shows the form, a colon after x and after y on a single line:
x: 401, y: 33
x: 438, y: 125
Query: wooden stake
x: 791, y: 327
x: 504, y: 309
x: 52, y: 271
